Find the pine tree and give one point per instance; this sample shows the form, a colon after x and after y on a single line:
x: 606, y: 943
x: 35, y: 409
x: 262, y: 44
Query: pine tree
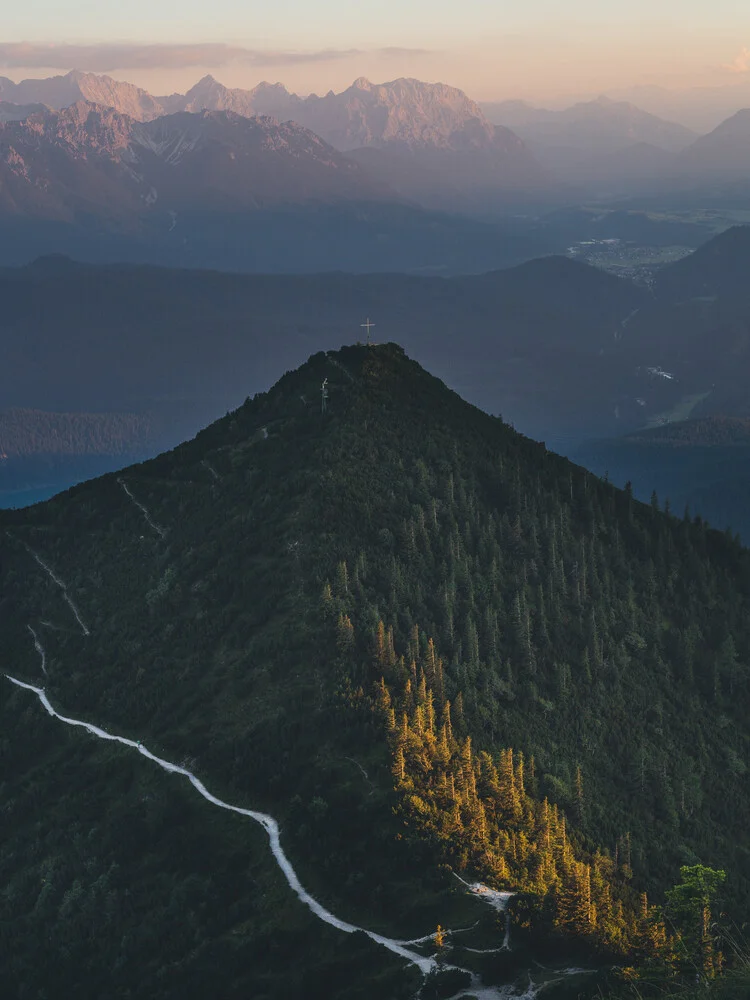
x: 579, y: 796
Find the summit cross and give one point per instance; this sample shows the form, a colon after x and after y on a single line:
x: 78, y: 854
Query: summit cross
x: 367, y: 326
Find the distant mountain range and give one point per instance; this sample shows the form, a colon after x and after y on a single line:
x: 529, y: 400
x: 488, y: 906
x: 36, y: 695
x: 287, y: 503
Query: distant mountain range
x: 602, y: 124
x: 602, y: 143
x: 724, y: 151
x: 404, y: 112
x: 442, y: 150
x: 405, y: 141
x: 56, y: 164
x: 219, y: 189
x: 698, y: 108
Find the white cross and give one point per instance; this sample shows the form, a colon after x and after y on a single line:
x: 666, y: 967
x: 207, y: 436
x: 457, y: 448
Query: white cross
x: 367, y: 326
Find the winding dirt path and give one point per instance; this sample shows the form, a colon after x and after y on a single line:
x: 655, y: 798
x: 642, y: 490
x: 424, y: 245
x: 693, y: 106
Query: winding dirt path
x: 56, y: 580
x: 40, y: 649
x: 269, y: 824
x: 151, y: 523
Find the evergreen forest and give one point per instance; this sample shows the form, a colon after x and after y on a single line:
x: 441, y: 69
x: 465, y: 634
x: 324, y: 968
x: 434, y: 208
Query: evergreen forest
x: 434, y: 651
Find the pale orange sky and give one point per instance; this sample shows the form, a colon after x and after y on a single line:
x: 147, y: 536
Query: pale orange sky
x: 491, y: 50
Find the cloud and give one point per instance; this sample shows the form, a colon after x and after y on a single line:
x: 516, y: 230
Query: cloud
x: 740, y: 63
x: 397, y: 52
x: 111, y: 56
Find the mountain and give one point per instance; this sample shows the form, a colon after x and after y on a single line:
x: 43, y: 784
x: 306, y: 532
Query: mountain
x: 210, y: 95
x: 217, y: 189
x: 428, y: 142
x: 602, y: 125
x: 725, y: 151
x: 694, y: 336
x: 405, y: 113
x: 16, y: 112
x: 89, y: 157
x: 718, y: 268
x: 698, y: 108
x: 610, y: 145
x: 415, y: 640
x: 109, y: 337
x: 513, y: 112
x: 442, y: 151
x: 566, y: 352
x: 62, y: 91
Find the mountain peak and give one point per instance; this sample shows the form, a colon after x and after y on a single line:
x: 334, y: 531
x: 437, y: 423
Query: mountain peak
x: 264, y: 87
x: 205, y: 84
x: 362, y: 83
x: 400, y: 525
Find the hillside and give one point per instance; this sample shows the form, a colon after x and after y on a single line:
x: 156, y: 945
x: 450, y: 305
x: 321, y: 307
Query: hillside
x: 723, y: 152
x: 252, y: 605
x: 716, y: 269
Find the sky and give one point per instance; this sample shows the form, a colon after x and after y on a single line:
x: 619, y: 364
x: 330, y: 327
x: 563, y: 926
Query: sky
x: 494, y: 49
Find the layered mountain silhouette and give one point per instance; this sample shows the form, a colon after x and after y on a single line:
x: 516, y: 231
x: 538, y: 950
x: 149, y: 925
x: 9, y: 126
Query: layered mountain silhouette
x: 404, y: 112
x: 602, y: 142
x: 565, y: 351
x: 433, y: 143
x: 92, y: 158
x: 219, y: 189
x: 602, y: 125
x: 725, y: 151
x: 430, y: 143
x: 443, y: 152
x: 505, y: 339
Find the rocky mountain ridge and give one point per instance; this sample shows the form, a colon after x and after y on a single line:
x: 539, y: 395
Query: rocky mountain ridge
x: 426, y: 143
x: 55, y: 163
x: 405, y: 111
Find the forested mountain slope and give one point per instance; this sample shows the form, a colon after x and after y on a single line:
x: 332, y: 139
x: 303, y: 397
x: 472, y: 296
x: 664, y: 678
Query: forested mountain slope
x: 254, y: 604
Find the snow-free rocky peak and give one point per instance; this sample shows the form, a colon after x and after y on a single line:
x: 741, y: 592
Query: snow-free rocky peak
x: 56, y: 162
x: 406, y: 112
x: 62, y: 91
